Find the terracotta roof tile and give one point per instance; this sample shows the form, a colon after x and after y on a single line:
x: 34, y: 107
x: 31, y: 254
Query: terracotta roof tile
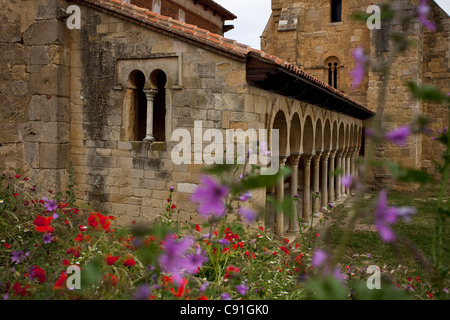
x: 205, y: 37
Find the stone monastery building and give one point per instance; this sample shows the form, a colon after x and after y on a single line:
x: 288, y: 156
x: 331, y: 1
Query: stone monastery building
x: 109, y: 95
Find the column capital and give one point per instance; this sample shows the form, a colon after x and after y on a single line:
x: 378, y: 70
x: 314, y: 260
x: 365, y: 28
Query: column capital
x: 325, y: 155
x: 307, y: 158
x: 294, y: 159
x: 150, y: 93
x: 316, y: 157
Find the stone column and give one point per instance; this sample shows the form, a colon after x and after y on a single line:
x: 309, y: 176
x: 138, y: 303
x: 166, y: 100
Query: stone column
x: 150, y: 94
x: 344, y: 173
x: 338, y: 189
x: 352, y: 168
x: 331, y: 193
x: 293, y: 184
x: 324, y: 177
x: 348, y: 169
x: 316, y: 180
x: 306, y: 187
x: 279, y: 196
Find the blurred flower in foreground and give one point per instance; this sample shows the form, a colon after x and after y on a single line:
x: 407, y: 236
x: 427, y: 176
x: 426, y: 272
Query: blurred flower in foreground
x: 357, y: 73
x: 399, y: 136
x: 422, y: 11
x: 386, y: 216
x: 211, y: 197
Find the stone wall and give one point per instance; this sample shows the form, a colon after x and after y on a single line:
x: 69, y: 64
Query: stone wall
x: 436, y: 71
x: 301, y: 32
x: 35, y: 91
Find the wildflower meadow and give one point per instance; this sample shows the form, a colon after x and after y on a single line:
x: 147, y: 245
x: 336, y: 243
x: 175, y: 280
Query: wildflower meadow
x: 53, y: 248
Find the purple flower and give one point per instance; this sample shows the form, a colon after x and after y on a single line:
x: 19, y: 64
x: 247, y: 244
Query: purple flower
x: 175, y: 260
x: 242, y: 289
x: 247, y: 195
x: 142, y: 292
x: 195, y: 260
x: 211, y: 197
x: 50, y: 204
x: 357, y: 73
x: 203, y: 287
x: 347, y: 181
x: 386, y: 216
x: 422, y: 12
x: 225, y: 296
x: 248, y: 214
x: 223, y: 242
x: 17, y: 256
x: 399, y: 136
x: 47, y: 238
x: 319, y: 258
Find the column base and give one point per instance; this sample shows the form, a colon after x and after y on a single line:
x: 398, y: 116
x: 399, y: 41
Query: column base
x: 149, y: 139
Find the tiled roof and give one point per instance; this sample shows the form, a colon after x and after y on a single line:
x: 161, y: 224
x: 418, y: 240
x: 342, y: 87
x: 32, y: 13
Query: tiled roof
x: 205, y: 38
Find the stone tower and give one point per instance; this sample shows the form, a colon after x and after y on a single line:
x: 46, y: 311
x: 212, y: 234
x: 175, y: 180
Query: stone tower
x: 320, y: 36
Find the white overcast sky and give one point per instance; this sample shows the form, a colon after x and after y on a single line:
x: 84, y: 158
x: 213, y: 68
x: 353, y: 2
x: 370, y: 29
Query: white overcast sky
x: 252, y: 17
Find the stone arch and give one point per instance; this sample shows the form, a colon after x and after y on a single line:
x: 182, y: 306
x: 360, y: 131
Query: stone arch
x: 308, y: 136
x: 347, y: 136
x: 295, y: 136
x: 332, y: 65
x: 279, y: 120
x: 341, y: 136
x: 318, y: 141
x: 135, y: 111
x: 334, y: 136
x: 327, y: 136
x: 280, y: 124
x: 157, y: 85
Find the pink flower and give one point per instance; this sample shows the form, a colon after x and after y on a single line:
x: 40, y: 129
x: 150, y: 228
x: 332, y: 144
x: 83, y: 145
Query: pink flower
x: 399, y: 136
x: 357, y: 73
x: 386, y: 216
x: 422, y: 12
x: 211, y: 197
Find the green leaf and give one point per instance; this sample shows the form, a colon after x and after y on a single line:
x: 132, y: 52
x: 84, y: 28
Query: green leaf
x: 387, y: 292
x: 326, y: 289
x: 428, y: 92
x: 269, y: 181
x: 409, y: 175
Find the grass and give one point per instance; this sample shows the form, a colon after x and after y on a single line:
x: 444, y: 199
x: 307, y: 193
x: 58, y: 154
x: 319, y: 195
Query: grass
x: 396, y: 261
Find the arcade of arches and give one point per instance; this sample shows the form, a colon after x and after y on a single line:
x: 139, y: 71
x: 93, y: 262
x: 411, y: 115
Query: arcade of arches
x: 315, y: 145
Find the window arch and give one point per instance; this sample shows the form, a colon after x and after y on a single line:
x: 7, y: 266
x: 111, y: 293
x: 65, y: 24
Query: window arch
x: 137, y: 130
x: 332, y: 65
x: 159, y: 80
x: 336, y: 10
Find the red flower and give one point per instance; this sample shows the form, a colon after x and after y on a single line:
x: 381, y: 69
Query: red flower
x: 82, y: 228
x: 20, y: 291
x: 129, y: 262
x: 37, y: 272
x: 173, y: 206
x: 17, y: 176
x: 110, y: 260
x: 43, y: 224
x: 231, y: 271
x: 79, y: 238
x: 113, y: 279
x: 181, y: 289
x: 66, y: 262
x: 202, y: 298
x: 285, y: 250
x: 317, y: 235
x: 15, y: 194
x: 286, y: 240
x: 197, y: 227
x: 7, y: 245
x: 97, y: 220
x: 61, y: 281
